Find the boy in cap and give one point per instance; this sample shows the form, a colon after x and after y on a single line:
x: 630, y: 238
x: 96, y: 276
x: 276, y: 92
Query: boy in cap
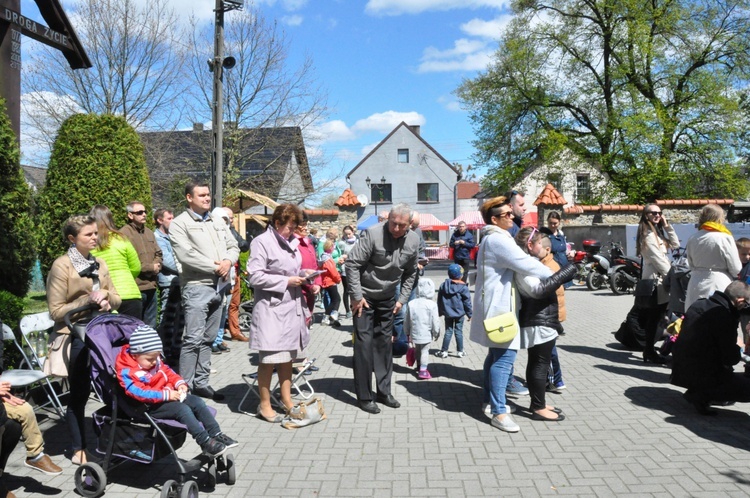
x: 454, y: 302
x: 146, y: 378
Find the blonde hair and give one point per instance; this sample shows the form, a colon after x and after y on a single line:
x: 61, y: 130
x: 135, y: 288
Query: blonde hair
x: 488, y: 208
x: 328, y: 245
x: 105, y: 223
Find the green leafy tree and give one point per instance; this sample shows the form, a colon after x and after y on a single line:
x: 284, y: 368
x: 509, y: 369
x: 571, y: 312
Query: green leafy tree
x: 646, y: 90
x: 17, y: 251
x: 96, y: 159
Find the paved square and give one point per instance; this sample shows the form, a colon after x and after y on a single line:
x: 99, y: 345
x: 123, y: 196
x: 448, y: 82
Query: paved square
x: 627, y: 431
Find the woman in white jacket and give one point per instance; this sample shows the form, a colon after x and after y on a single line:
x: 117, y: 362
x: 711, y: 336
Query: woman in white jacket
x: 498, y: 260
x: 712, y: 256
x: 654, y: 238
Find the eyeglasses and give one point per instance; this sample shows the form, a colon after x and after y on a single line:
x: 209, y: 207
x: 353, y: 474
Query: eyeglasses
x: 655, y: 213
x: 142, y: 211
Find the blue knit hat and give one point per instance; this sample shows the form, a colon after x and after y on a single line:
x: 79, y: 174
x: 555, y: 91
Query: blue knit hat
x: 455, y: 271
x: 144, y: 340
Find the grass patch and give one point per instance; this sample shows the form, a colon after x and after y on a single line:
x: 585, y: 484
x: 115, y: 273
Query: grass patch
x: 35, y: 302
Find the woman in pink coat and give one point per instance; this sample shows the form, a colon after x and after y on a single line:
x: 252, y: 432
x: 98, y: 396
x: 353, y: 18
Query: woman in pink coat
x: 279, y: 328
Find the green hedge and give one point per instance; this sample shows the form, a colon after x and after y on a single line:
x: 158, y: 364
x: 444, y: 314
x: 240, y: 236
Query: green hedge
x: 95, y: 160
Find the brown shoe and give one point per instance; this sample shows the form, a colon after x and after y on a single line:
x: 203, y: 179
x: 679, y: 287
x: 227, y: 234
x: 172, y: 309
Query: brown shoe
x: 44, y: 464
x: 240, y: 338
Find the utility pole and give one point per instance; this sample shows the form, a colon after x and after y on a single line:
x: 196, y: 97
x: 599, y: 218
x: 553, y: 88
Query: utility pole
x: 217, y: 66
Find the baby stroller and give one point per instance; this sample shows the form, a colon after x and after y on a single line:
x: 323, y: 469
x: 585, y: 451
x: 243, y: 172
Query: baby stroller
x: 125, y: 430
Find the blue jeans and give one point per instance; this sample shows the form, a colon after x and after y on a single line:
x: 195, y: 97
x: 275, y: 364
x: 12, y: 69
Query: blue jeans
x: 148, y: 300
x: 498, y: 367
x: 453, y: 326
x: 556, y: 376
x: 220, y: 332
x: 398, y: 318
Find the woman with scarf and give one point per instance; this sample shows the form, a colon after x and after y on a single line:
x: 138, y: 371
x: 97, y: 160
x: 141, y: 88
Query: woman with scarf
x: 345, y: 246
x: 712, y: 256
x: 75, y: 280
x: 279, y: 330
x: 654, y: 237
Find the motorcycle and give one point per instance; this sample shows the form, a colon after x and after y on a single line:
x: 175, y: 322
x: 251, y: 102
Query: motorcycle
x: 583, y: 261
x: 598, y: 275
x: 625, y: 272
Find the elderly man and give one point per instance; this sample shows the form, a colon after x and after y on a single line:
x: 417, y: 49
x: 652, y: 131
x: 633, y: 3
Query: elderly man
x: 150, y: 256
x: 384, y: 256
x: 706, y: 350
x: 206, y: 251
x: 462, y: 242
x: 518, y: 205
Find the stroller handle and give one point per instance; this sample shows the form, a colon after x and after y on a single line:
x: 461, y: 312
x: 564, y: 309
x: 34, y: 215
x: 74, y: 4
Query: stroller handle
x: 80, y: 309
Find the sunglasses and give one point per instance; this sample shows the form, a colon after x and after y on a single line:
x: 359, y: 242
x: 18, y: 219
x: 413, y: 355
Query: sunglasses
x: 658, y: 213
x: 142, y: 211
x: 506, y: 214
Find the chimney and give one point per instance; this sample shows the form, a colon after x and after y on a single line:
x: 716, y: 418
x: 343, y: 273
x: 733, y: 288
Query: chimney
x: 197, y: 126
x: 415, y: 129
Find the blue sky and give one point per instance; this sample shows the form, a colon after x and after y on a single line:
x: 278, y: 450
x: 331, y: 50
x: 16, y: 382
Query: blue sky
x: 383, y: 62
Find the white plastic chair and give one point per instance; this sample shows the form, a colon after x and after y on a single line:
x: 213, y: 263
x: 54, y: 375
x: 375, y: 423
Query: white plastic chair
x: 299, y: 382
x: 24, y: 377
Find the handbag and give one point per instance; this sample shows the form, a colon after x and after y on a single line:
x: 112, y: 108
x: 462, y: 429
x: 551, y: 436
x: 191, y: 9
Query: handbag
x: 504, y: 327
x: 304, y: 414
x: 58, y: 355
x: 646, y: 293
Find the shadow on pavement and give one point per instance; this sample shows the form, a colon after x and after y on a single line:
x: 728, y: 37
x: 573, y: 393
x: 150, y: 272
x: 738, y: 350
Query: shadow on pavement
x: 619, y: 356
x: 653, y: 374
x: 448, y: 396
x: 728, y: 427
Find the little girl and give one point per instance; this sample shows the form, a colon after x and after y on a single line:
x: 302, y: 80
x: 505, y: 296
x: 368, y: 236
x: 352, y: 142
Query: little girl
x: 331, y: 279
x: 422, y: 324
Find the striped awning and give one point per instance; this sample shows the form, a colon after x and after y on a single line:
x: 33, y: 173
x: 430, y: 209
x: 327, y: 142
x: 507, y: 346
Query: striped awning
x: 473, y: 220
x: 428, y: 221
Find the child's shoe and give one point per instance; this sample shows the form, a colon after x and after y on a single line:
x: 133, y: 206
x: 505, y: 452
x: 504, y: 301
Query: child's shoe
x: 334, y: 320
x: 213, y: 448
x: 441, y: 354
x: 325, y: 321
x: 424, y: 374
x: 226, y: 440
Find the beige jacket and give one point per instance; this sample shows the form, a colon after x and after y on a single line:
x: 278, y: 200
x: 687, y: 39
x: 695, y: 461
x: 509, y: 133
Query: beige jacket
x: 656, y: 264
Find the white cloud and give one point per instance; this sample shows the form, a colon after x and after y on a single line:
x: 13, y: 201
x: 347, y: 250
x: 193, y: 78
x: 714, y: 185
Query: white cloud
x: 334, y: 131
x: 288, y: 5
x: 466, y: 55
x: 384, y: 122
x: 398, y: 7
x: 368, y: 148
x: 487, y: 29
x: 38, y: 129
x: 294, y: 20
x: 449, y: 102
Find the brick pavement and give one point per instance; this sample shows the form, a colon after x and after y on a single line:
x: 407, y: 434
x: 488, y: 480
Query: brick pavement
x: 627, y: 432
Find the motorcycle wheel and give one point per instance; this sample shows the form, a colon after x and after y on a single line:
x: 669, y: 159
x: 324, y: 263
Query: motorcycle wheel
x: 620, y: 284
x: 594, y: 280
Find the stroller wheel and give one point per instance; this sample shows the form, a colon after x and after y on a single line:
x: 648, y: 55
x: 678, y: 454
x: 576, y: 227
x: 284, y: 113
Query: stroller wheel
x: 245, y: 320
x: 189, y: 490
x: 170, y: 489
x: 231, y: 470
x: 90, y: 479
x: 211, y: 480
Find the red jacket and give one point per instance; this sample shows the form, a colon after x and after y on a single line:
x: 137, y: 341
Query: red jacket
x: 152, y: 386
x: 331, y: 276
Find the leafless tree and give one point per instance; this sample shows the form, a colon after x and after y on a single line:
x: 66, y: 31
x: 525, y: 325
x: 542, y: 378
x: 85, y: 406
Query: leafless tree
x: 138, y: 59
x: 262, y: 90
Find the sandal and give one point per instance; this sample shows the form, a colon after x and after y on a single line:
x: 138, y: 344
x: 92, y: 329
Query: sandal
x: 276, y: 419
x: 537, y: 416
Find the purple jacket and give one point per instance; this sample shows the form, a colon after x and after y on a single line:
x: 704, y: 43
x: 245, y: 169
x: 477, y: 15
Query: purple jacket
x: 280, y: 313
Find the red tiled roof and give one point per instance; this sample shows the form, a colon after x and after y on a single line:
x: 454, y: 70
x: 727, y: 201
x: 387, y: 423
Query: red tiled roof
x: 580, y: 209
x: 347, y: 199
x: 466, y: 190
x: 550, y: 197
x: 695, y: 202
x: 322, y: 212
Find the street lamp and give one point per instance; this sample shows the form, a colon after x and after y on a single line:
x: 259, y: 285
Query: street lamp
x: 378, y: 187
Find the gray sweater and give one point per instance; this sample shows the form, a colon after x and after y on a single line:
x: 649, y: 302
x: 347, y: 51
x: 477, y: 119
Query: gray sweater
x: 378, y: 262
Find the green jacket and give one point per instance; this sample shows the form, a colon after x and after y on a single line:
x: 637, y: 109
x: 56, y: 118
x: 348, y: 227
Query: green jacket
x: 124, y: 265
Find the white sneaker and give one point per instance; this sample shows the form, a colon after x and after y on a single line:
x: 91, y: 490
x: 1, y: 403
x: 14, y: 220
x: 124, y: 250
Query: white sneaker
x: 441, y: 354
x: 460, y: 354
x: 506, y: 424
x: 487, y: 409
x: 325, y: 321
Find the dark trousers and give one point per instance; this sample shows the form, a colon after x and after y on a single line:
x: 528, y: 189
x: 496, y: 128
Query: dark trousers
x: 346, y: 298
x: 148, y: 307
x: 10, y: 433
x: 465, y: 264
x: 536, y: 373
x: 131, y: 307
x: 79, y: 378
x: 192, y: 412
x: 373, y: 349
x: 651, y: 317
x: 334, y: 300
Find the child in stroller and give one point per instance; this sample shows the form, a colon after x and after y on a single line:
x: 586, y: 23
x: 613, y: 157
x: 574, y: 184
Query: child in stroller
x: 146, y: 378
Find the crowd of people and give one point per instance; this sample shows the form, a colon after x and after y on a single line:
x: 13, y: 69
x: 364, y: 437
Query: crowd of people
x: 187, y: 269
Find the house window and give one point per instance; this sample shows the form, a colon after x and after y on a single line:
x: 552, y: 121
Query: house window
x: 380, y: 193
x: 556, y: 180
x: 583, y: 187
x: 403, y: 155
x: 427, y: 192
x: 431, y: 236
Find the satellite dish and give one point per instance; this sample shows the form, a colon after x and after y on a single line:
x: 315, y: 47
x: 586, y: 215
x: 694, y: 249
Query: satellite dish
x: 362, y: 198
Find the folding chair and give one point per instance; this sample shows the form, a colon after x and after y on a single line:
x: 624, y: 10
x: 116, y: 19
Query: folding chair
x: 299, y: 382
x: 23, y: 378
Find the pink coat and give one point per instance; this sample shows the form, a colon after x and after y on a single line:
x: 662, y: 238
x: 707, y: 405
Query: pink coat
x: 280, y: 314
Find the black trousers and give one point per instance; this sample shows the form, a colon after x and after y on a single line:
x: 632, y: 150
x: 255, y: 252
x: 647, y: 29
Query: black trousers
x: 345, y: 298
x: 10, y: 433
x: 536, y: 373
x: 465, y: 264
x: 651, y: 318
x: 79, y: 378
x: 373, y: 349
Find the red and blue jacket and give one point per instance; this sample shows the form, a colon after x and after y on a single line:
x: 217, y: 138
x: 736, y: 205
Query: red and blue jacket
x: 147, y: 386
